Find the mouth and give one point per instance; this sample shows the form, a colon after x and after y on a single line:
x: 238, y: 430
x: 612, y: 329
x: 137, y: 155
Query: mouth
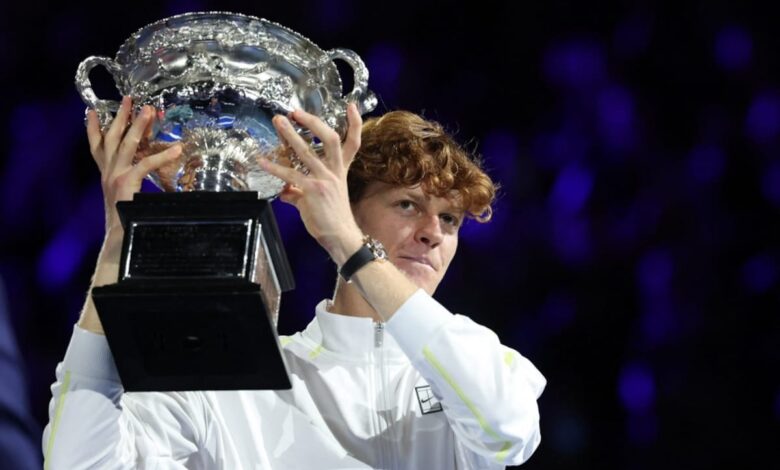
x: 419, y: 260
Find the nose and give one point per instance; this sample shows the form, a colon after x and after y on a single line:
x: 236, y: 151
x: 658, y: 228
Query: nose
x: 429, y: 231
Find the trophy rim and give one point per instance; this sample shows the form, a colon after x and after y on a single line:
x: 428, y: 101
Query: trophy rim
x: 143, y: 48
x: 124, y: 51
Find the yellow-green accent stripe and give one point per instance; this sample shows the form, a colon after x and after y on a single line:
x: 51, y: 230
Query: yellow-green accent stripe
x: 509, y: 358
x: 316, y: 352
x: 56, y: 423
x: 501, y: 455
x: 285, y: 340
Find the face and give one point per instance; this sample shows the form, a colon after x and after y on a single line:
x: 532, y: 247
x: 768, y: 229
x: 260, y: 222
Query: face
x: 419, y: 231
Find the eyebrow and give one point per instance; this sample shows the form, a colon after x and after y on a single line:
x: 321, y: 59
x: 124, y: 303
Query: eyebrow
x: 411, y: 194
x: 453, y: 208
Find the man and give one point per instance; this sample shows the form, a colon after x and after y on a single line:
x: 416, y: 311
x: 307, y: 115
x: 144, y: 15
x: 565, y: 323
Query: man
x: 384, y: 377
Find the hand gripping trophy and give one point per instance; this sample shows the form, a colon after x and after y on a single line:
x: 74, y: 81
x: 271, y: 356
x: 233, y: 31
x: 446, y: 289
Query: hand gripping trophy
x: 203, y: 266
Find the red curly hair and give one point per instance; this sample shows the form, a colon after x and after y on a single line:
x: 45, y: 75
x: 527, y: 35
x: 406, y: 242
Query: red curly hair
x: 403, y: 149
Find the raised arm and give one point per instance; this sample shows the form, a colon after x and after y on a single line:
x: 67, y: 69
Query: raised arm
x: 322, y: 199
x: 89, y: 424
x: 113, y: 151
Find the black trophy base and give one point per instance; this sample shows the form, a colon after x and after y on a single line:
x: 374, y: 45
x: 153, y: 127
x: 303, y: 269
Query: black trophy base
x: 201, y: 336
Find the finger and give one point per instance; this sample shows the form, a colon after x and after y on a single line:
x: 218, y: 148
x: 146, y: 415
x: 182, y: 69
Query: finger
x: 300, y: 147
x: 95, y: 138
x: 291, y: 194
x: 129, y: 145
x: 150, y: 126
x: 155, y: 162
x: 287, y: 174
x: 117, y: 129
x: 352, y: 142
x: 331, y: 141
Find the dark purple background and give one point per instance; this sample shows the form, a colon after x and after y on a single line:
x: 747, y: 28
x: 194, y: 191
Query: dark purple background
x: 633, y: 256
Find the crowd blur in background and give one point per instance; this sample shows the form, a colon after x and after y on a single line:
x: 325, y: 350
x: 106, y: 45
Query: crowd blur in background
x: 633, y: 255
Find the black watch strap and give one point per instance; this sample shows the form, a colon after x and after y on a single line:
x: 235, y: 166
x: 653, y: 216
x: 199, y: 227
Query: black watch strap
x: 368, y: 252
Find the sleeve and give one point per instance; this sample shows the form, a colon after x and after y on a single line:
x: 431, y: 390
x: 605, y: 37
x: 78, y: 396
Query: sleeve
x: 94, y: 424
x: 488, y: 391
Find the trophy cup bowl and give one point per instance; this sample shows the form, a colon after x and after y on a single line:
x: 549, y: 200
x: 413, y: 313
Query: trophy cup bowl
x: 203, y: 259
x: 215, y: 80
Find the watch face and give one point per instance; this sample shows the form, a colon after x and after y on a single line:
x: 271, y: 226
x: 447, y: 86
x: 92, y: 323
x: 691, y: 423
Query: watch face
x: 377, y: 249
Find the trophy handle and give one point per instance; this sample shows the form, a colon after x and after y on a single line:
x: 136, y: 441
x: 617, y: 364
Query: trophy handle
x: 360, y: 94
x: 105, y: 108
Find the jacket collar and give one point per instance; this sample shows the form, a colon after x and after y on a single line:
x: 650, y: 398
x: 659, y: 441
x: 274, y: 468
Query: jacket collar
x: 346, y: 334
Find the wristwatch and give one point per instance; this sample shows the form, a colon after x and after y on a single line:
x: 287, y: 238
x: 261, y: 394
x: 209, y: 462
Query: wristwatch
x: 369, y: 251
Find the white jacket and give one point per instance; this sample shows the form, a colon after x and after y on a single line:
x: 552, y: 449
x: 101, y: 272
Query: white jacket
x: 427, y: 390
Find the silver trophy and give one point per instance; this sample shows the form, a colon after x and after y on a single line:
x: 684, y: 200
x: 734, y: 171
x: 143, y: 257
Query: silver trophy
x: 195, y: 253
x: 216, y: 80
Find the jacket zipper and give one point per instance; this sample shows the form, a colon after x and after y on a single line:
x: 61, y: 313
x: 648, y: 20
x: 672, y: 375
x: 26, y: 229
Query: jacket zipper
x: 379, y: 334
x: 386, y: 441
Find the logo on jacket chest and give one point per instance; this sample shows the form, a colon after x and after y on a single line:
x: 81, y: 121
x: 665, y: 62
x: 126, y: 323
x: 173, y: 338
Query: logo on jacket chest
x: 428, y: 403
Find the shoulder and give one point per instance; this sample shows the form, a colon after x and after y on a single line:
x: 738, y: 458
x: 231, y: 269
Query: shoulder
x: 300, y: 347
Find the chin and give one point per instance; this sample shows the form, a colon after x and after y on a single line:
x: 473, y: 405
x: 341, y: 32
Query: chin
x: 421, y: 276
x: 422, y: 282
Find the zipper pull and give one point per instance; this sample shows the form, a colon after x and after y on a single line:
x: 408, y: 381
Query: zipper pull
x: 379, y: 331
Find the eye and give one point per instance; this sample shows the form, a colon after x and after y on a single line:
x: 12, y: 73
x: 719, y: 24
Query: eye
x: 450, y: 220
x: 406, y: 205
